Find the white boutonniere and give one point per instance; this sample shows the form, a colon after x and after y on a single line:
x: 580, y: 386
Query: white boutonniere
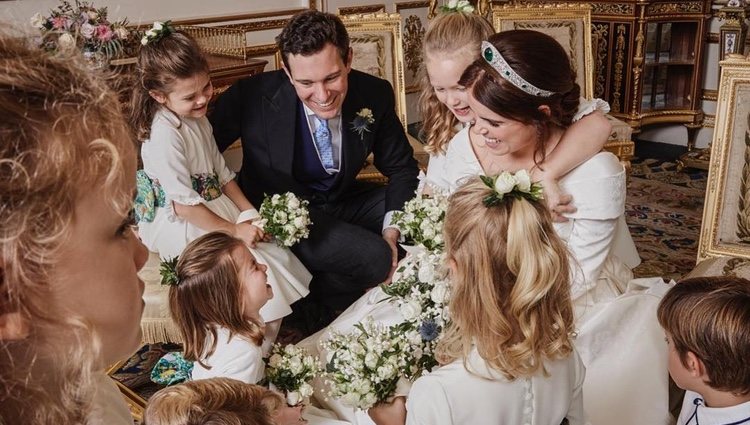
x: 362, y: 121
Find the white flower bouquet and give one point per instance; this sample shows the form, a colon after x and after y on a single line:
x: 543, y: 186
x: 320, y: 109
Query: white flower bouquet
x: 290, y: 369
x: 421, y: 290
x: 421, y: 221
x: 365, y: 366
x: 286, y: 218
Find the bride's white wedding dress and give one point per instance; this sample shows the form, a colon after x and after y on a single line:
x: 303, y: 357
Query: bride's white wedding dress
x: 619, y: 339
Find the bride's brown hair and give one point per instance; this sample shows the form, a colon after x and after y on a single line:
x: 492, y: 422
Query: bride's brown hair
x: 511, y: 283
x: 541, y: 61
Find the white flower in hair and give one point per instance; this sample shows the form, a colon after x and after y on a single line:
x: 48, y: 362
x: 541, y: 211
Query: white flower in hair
x: 505, y: 183
x: 523, y: 181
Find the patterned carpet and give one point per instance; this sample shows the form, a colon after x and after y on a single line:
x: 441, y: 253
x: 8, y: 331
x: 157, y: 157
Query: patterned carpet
x: 663, y: 211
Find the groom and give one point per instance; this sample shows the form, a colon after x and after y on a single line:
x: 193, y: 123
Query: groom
x: 308, y: 129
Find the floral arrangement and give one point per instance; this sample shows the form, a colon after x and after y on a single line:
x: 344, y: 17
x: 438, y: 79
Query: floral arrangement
x: 421, y: 221
x: 516, y: 185
x: 421, y: 290
x: 83, y: 26
x: 365, y: 366
x: 362, y: 121
x: 457, y: 6
x: 290, y: 369
x: 285, y: 217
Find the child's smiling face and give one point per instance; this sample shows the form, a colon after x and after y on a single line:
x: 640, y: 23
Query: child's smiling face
x: 188, y: 97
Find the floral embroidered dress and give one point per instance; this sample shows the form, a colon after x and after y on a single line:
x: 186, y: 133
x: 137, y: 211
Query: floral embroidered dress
x: 182, y: 164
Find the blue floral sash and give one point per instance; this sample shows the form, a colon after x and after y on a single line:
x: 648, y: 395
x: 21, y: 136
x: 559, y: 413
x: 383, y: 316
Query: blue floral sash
x: 150, y: 195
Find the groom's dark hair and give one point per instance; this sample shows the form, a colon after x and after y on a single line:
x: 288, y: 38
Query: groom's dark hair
x: 308, y: 32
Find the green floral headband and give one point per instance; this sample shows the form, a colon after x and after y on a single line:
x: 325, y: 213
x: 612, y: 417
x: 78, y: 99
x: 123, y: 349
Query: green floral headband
x: 168, y: 271
x: 462, y: 6
x: 507, y: 184
x: 157, y: 31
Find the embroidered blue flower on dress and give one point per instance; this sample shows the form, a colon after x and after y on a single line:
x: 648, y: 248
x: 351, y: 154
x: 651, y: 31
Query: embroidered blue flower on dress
x: 362, y: 121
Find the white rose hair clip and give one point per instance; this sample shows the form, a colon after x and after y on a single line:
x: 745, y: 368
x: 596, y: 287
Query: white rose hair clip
x: 507, y: 184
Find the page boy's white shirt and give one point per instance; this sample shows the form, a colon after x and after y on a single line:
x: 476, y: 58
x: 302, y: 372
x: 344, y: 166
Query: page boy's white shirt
x: 695, y: 412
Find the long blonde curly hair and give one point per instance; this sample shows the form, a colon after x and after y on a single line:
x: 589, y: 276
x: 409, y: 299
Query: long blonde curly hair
x: 511, y: 283
x: 63, y: 134
x: 451, y: 34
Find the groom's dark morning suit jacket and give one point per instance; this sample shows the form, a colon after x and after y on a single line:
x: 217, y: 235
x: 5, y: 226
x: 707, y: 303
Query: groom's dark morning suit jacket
x: 265, y: 111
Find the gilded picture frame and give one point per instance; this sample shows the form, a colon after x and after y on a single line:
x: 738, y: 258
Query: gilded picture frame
x: 725, y: 230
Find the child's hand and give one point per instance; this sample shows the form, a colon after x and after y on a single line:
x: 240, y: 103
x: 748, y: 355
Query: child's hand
x: 393, y: 413
x: 286, y: 415
x: 558, y: 203
x: 248, y: 233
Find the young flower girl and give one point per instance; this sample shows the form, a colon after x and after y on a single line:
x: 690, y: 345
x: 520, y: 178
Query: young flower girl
x: 185, y: 188
x: 507, y: 355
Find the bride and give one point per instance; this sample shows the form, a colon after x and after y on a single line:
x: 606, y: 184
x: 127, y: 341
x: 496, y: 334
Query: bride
x: 523, y: 98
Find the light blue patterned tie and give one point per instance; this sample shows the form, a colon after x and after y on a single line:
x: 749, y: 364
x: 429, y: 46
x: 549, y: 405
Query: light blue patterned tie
x: 323, y: 141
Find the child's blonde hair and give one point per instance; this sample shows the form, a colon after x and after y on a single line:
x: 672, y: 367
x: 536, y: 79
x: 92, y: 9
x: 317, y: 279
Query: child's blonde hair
x: 511, y: 283
x: 710, y: 317
x: 452, y: 34
x: 63, y: 135
x: 209, y: 295
x: 215, y: 401
x: 161, y: 63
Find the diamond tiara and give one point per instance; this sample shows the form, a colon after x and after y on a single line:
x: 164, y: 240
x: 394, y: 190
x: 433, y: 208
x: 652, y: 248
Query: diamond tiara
x: 496, y: 60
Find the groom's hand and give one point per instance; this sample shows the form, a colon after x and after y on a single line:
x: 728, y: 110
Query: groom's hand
x: 391, y: 236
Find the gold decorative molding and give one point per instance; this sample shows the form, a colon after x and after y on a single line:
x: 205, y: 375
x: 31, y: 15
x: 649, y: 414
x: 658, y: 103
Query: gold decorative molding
x: 238, y: 17
x: 612, y: 8
x: 354, y: 10
x: 413, y: 36
x: 743, y: 210
x: 388, y: 25
x: 709, y: 121
x: 708, y: 94
x: 723, y: 189
x: 600, y: 39
x: 270, y: 24
x: 535, y: 15
x: 411, y: 5
x: 712, y: 37
x: 619, y: 66
x: 676, y: 7
x: 640, y: 38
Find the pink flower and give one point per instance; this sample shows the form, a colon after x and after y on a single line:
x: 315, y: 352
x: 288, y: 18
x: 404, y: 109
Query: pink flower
x: 104, y: 33
x: 59, y: 22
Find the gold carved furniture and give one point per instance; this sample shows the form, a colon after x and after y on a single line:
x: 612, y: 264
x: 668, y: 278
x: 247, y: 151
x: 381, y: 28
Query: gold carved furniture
x: 570, y: 25
x: 725, y: 230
